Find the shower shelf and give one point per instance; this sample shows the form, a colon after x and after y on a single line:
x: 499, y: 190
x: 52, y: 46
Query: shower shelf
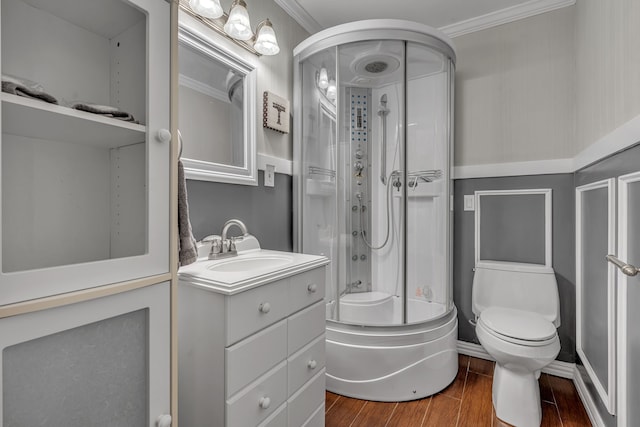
x: 315, y: 170
x: 317, y: 187
x: 41, y: 120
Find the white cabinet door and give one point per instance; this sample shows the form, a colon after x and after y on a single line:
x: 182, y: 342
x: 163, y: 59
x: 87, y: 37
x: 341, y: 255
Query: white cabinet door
x: 85, y: 196
x: 596, y: 287
x: 628, y: 301
x: 101, y: 363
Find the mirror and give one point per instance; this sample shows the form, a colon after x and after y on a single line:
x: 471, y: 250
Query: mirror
x: 216, y: 112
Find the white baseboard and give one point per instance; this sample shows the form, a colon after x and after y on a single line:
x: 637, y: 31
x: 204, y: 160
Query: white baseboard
x: 587, y: 400
x: 556, y: 368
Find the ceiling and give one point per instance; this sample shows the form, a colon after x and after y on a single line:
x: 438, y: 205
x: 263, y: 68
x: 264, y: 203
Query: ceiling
x: 454, y: 17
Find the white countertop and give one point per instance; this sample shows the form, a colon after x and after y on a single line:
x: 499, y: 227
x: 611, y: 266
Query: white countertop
x: 220, y: 276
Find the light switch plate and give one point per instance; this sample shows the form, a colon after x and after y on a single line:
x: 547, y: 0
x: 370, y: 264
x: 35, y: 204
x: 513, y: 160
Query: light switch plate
x: 269, y: 176
x: 469, y: 202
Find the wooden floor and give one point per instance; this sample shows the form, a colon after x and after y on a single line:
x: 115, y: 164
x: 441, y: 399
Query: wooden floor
x: 465, y: 403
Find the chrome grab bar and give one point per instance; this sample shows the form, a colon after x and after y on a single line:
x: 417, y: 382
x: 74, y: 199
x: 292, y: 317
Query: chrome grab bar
x: 628, y: 269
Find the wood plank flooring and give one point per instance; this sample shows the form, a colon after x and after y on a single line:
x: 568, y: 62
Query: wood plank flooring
x: 465, y: 403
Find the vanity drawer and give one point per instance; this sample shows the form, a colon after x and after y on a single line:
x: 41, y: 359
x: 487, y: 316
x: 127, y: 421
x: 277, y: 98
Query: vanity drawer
x: 307, y: 362
x: 278, y: 418
x: 306, y: 400
x: 316, y: 419
x: 305, y: 325
x: 255, y: 309
x: 306, y: 288
x: 259, y: 400
x: 252, y: 357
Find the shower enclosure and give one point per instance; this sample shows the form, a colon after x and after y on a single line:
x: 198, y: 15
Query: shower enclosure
x: 372, y: 190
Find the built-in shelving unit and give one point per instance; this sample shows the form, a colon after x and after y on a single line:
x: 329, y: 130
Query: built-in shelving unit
x: 80, y: 206
x: 32, y: 118
x: 85, y: 258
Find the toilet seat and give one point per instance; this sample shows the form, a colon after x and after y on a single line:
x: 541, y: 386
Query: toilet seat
x: 517, y: 326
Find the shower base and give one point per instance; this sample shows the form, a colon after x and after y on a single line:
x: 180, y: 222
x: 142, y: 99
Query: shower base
x: 391, y: 363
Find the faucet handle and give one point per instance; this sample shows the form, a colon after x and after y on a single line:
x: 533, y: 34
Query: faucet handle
x: 232, y: 245
x: 216, y: 245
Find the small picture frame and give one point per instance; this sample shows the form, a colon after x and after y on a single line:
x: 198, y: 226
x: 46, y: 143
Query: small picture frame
x: 275, y: 112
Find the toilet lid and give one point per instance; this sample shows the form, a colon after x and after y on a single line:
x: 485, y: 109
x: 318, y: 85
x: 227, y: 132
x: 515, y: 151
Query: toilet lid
x: 519, y: 324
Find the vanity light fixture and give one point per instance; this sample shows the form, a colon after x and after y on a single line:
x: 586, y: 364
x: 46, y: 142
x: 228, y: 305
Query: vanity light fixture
x: 208, y: 8
x: 236, y: 25
x: 332, y: 90
x: 266, y: 42
x: 323, y: 79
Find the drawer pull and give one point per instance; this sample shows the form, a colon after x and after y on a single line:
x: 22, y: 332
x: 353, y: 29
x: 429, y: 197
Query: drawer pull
x: 312, y: 364
x: 265, y: 307
x: 264, y: 403
x: 312, y: 288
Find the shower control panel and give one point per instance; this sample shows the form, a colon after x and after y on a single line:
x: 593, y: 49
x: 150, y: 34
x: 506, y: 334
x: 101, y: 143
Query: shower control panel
x: 359, y: 162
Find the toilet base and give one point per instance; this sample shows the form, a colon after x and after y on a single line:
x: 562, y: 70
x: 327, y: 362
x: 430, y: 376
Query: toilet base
x: 516, y: 397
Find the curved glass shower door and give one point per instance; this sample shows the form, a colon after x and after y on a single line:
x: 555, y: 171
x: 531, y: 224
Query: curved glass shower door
x: 374, y: 179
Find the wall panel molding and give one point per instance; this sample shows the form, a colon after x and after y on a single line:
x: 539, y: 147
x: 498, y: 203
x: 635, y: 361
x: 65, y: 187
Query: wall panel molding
x: 618, y: 140
x: 535, y: 167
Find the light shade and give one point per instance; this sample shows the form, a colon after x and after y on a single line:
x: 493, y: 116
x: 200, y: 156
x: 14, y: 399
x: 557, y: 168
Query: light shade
x: 323, y: 79
x: 238, y: 24
x: 332, y: 90
x: 266, y: 42
x: 208, y: 8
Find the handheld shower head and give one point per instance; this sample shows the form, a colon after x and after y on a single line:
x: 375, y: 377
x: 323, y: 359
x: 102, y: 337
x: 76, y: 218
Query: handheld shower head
x: 382, y: 108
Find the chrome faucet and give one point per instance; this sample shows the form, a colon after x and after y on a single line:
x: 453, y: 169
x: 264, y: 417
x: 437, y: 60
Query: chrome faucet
x: 227, y: 247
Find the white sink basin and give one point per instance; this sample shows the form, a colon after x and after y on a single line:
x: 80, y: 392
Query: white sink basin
x: 250, y: 263
x: 247, y: 270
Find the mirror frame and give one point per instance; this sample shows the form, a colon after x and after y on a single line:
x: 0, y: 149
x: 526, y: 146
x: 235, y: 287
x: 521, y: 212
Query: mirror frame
x: 219, y: 172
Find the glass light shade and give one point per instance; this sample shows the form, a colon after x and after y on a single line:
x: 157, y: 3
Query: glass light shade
x: 208, y: 8
x: 323, y: 79
x: 238, y: 24
x: 266, y: 42
x: 332, y: 91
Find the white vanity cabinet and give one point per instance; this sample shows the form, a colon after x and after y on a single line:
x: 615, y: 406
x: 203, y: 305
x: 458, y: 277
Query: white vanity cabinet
x: 256, y: 356
x: 85, y: 196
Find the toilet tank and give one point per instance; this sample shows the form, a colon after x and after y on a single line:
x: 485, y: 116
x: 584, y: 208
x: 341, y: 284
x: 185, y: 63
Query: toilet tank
x: 528, y: 287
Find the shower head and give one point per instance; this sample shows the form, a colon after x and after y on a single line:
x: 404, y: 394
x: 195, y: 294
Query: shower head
x: 382, y: 108
x: 375, y: 64
x: 375, y: 67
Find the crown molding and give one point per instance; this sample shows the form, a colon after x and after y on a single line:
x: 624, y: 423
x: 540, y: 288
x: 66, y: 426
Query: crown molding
x: 300, y: 15
x: 504, y: 16
x: 493, y: 19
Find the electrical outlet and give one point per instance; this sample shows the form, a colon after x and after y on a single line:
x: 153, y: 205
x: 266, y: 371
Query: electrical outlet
x: 269, y: 176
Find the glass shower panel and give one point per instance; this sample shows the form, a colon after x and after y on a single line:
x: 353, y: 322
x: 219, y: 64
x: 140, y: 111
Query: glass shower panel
x: 371, y: 146
x: 320, y: 228
x: 427, y: 183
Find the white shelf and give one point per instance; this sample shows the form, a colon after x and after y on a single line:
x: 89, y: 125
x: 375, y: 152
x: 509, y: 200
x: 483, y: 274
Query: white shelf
x: 320, y: 188
x: 41, y: 120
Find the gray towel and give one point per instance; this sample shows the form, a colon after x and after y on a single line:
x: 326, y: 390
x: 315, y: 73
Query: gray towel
x: 104, y: 110
x: 187, y: 250
x: 21, y: 90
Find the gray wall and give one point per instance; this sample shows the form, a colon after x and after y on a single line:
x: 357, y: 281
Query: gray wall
x: 267, y: 211
x: 563, y: 249
x: 516, y: 219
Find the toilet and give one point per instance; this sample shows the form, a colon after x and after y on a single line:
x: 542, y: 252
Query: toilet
x: 517, y: 313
